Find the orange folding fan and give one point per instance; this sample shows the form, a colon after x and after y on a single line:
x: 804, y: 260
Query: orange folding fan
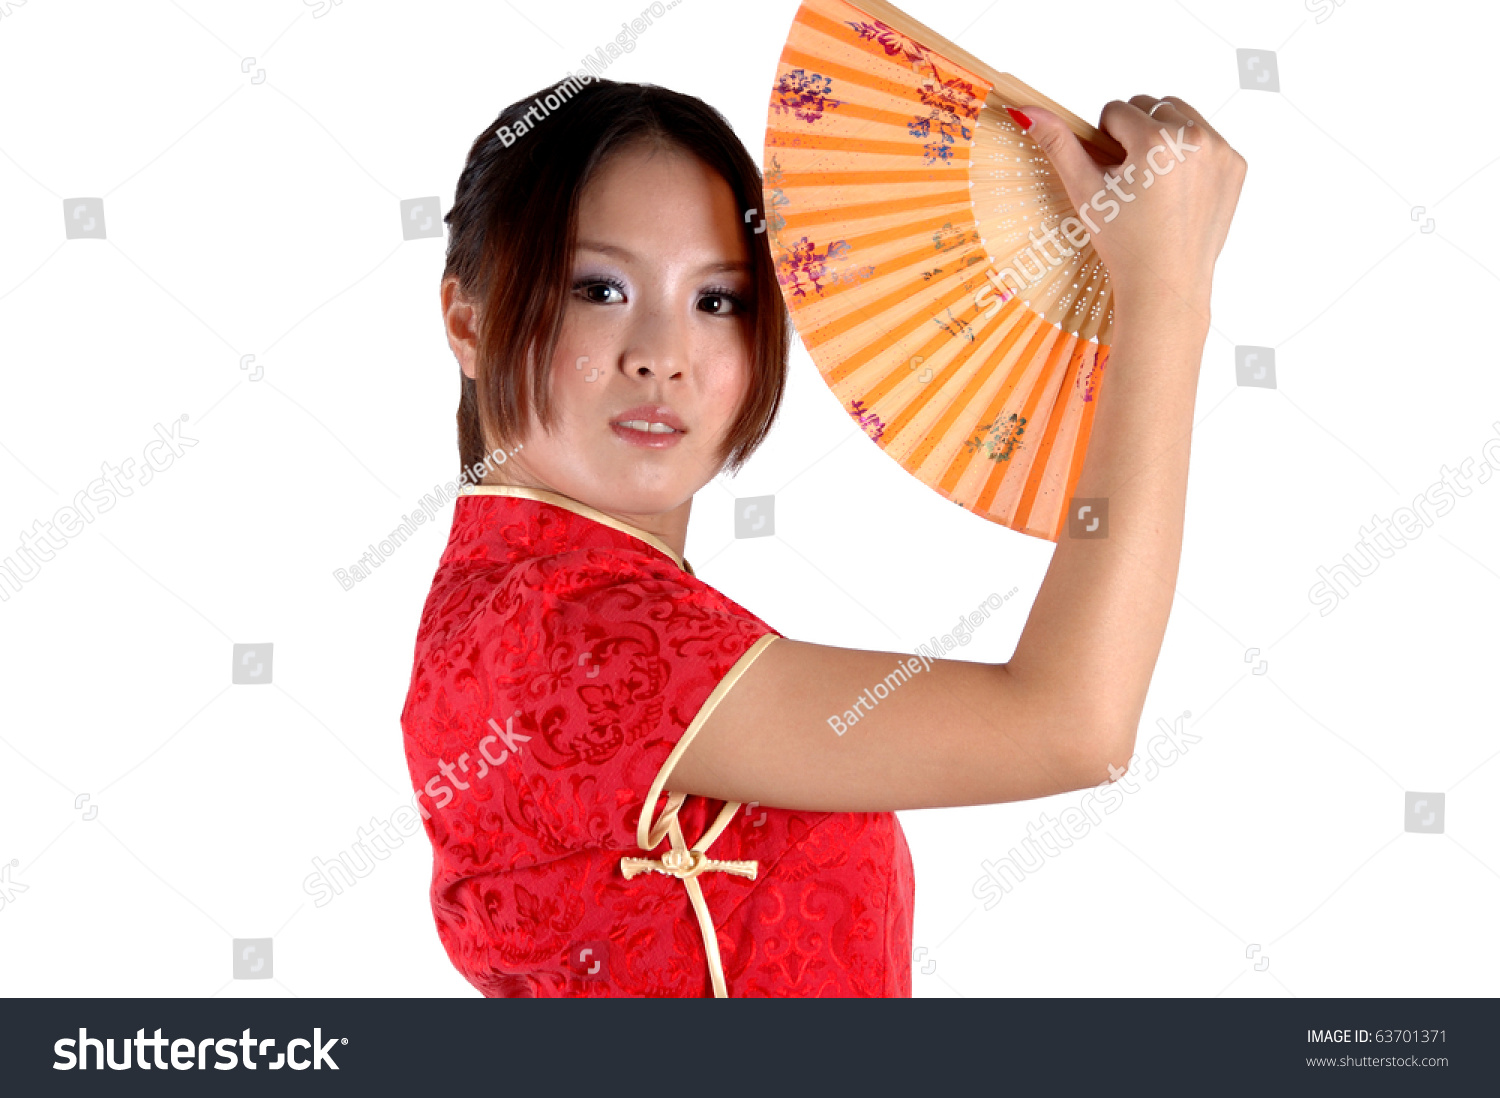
x: 918, y: 237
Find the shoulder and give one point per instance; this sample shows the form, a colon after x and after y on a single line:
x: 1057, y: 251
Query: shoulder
x: 587, y: 626
x: 601, y: 586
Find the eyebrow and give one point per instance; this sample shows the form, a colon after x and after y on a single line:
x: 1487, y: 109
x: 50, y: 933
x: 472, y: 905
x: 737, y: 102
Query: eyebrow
x: 627, y: 255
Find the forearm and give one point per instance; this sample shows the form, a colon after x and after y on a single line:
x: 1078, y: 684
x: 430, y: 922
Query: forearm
x: 1096, y: 627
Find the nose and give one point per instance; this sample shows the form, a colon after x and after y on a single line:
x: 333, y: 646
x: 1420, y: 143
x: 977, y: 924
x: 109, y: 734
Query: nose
x: 656, y: 347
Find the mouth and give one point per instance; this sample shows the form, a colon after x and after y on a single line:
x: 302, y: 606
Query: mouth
x: 652, y: 426
x: 645, y: 425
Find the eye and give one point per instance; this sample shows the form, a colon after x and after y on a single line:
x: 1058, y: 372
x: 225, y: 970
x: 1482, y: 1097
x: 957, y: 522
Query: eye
x: 722, y: 303
x: 596, y: 290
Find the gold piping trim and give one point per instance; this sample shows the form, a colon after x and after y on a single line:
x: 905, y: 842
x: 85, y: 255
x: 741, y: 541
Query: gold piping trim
x: 680, y: 861
x: 567, y: 503
x: 643, y: 832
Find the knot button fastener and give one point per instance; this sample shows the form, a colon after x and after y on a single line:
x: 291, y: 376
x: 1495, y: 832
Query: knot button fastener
x: 685, y: 864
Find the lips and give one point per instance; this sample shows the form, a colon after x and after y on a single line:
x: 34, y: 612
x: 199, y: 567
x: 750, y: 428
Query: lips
x: 650, y: 419
x: 648, y: 426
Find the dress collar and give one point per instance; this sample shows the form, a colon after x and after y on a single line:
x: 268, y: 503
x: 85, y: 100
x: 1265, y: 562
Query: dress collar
x: 567, y: 503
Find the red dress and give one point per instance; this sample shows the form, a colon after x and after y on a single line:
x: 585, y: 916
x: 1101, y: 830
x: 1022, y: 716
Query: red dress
x: 562, y: 656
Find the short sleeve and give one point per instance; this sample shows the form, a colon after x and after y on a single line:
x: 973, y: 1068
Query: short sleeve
x: 637, y: 655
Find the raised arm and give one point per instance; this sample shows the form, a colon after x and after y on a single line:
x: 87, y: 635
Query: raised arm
x: 1066, y: 707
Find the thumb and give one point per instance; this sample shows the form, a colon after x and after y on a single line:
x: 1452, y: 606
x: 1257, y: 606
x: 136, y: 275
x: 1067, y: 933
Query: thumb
x: 1080, y: 175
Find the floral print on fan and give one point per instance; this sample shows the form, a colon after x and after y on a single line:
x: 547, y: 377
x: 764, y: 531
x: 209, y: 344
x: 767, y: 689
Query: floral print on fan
x: 942, y: 122
x: 1089, y: 382
x: 947, y: 238
x: 954, y: 326
x: 804, y: 94
x: 873, y: 425
x: 775, y: 180
x: 999, y: 439
x: 803, y: 262
x: 893, y: 42
x: 950, y: 99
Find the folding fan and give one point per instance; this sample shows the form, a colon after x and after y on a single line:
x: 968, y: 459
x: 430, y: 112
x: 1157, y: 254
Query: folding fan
x: 916, y: 237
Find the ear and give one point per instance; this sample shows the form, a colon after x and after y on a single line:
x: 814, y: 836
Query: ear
x: 460, y: 322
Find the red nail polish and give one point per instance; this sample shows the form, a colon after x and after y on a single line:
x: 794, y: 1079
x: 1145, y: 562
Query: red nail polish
x: 1020, y: 119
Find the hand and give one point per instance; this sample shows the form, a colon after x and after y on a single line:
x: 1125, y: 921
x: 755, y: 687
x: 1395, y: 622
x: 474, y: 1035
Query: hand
x: 1163, y: 215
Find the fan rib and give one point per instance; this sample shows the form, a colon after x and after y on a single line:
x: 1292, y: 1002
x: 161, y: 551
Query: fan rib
x: 963, y: 458
x: 985, y: 500
x: 826, y: 143
x: 873, y: 311
x: 939, y: 430
x: 1040, y: 464
x: 882, y: 208
x: 797, y: 180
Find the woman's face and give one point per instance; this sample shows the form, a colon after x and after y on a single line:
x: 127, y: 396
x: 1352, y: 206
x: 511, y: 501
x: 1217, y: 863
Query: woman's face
x: 655, y: 333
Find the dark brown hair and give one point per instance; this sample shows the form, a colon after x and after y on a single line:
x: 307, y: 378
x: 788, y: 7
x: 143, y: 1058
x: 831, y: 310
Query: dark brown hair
x: 515, y: 210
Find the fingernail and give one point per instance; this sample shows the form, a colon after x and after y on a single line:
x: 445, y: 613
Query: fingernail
x: 1019, y: 119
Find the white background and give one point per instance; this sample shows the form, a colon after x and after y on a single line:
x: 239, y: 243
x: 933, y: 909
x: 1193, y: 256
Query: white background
x: 263, y: 218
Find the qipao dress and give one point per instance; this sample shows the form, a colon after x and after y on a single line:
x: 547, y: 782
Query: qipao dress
x: 564, y: 661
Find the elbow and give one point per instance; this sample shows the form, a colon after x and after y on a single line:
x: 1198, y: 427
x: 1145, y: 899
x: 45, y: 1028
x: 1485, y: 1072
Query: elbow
x: 1119, y: 748
x: 1109, y: 751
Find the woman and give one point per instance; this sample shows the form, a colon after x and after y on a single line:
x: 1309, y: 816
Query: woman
x: 586, y: 718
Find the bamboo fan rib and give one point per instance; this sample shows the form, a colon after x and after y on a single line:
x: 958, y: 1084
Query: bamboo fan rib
x: 920, y: 243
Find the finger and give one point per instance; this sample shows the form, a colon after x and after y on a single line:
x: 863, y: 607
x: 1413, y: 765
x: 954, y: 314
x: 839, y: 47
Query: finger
x: 1131, y: 125
x: 1162, y: 112
x: 1080, y: 176
x: 1189, y: 114
x: 1154, y: 103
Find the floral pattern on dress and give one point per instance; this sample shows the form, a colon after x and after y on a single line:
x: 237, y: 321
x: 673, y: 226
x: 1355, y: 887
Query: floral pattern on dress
x: 543, y: 623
